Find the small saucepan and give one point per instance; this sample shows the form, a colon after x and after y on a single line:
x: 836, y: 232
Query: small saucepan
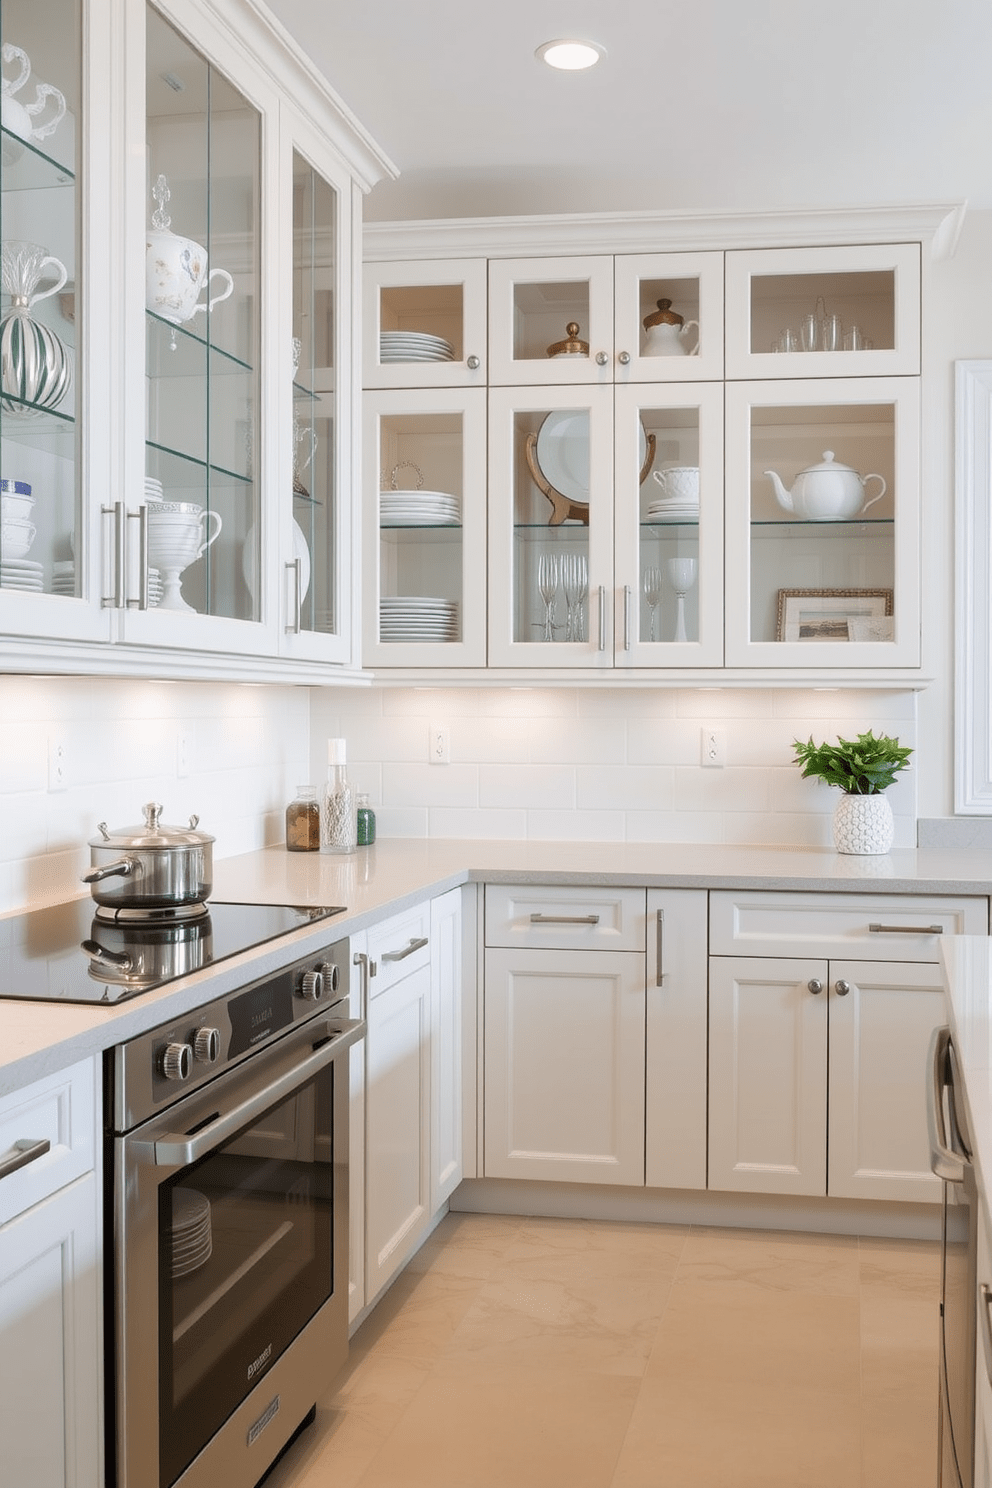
x: 151, y: 867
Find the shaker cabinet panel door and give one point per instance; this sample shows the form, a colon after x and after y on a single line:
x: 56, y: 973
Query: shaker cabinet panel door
x: 880, y: 1029
x: 768, y: 1076
x: 564, y: 1062
x: 675, y: 1115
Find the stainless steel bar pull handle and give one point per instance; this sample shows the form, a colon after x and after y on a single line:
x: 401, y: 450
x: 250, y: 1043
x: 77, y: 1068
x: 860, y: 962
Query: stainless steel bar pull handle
x: 115, y: 600
x: 296, y: 569
x: 141, y: 516
x: 906, y: 929
x: 23, y: 1152
x: 543, y: 919
x: 944, y: 1163
x: 362, y: 961
x: 417, y: 944
x: 626, y: 617
x: 660, y: 974
x: 602, y: 617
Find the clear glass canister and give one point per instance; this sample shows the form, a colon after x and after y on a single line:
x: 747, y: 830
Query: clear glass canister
x: 338, y: 815
x: 366, y: 821
x: 303, y: 821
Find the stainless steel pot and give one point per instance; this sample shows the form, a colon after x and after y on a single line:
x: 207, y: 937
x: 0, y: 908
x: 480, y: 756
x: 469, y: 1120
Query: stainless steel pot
x: 139, y: 954
x: 151, y: 867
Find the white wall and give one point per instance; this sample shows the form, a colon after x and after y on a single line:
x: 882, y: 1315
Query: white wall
x: 613, y: 764
x: 247, y: 746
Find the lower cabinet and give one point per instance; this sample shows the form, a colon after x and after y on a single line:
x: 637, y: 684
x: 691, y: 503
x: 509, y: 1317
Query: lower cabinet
x: 675, y: 1065
x: 50, y: 1403
x: 816, y: 1063
x: 406, y: 1132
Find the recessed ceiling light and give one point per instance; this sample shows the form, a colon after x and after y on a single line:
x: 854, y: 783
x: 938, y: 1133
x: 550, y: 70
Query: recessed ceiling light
x: 570, y: 55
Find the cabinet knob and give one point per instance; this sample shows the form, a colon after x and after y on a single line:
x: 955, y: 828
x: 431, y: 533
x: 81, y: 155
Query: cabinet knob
x: 601, y: 358
x: 624, y: 359
x: 815, y: 986
x: 841, y: 987
x: 472, y: 363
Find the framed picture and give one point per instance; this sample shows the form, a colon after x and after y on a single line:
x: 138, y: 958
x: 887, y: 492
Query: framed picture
x: 834, y: 615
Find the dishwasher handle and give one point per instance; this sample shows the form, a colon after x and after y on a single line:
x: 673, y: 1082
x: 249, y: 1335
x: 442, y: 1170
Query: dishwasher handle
x: 179, y: 1149
x: 945, y: 1163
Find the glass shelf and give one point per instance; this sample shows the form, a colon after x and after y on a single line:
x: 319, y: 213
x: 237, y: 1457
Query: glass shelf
x: 855, y: 527
x: 188, y: 463
x: 30, y: 169
x: 185, y: 359
x: 443, y: 529
x: 50, y: 431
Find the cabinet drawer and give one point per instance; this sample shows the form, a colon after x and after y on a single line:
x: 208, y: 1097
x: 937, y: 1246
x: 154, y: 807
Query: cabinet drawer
x: 867, y: 927
x: 400, y: 945
x: 565, y: 918
x: 60, y: 1109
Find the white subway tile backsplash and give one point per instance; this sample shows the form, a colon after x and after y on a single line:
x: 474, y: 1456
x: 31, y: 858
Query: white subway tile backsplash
x: 608, y: 763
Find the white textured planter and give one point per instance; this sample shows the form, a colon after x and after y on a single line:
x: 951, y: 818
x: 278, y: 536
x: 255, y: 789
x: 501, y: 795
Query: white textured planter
x: 863, y: 824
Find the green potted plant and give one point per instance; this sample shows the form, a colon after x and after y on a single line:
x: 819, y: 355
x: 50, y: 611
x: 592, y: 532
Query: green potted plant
x: 862, y: 769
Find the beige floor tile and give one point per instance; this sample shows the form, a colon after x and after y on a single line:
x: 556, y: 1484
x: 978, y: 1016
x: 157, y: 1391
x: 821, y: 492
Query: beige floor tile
x: 567, y: 1250
x: 735, y: 1331
x: 900, y: 1436
x: 779, y: 1260
x: 692, y: 1433
x: 377, y: 1387
x: 902, y: 1266
x: 417, y: 1316
x: 603, y: 1325
x: 508, y: 1429
x: 469, y: 1245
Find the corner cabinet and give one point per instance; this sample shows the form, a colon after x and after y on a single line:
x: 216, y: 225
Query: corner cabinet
x: 703, y: 460
x: 189, y: 510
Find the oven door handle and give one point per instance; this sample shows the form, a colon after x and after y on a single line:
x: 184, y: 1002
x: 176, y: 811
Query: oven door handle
x: 178, y: 1150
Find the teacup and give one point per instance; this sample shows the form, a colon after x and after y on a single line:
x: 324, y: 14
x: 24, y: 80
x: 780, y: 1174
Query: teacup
x: 680, y: 483
x: 16, y: 537
x: 16, y: 500
x: 175, y: 273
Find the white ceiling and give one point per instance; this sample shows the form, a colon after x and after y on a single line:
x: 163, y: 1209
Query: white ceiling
x: 700, y: 104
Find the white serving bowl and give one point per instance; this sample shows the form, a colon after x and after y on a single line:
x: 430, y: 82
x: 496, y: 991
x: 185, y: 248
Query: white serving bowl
x: 16, y: 537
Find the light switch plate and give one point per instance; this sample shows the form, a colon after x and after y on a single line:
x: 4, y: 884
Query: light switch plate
x: 712, y: 748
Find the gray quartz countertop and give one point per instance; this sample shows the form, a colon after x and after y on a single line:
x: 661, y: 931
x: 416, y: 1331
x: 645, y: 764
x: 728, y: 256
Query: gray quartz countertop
x: 36, y: 1037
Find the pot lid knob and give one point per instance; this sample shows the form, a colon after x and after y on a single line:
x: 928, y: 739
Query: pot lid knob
x: 573, y: 346
x: 664, y: 315
x: 153, y: 815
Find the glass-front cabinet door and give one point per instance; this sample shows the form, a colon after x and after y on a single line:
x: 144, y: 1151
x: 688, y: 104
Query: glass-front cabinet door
x: 51, y: 563
x: 203, y: 539
x: 551, y: 527
x: 424, y: 324
x: 669, y: 317
x: 822, y: 523
x: 669, y: 525
x: 425, y: 532
x: 551, y: 320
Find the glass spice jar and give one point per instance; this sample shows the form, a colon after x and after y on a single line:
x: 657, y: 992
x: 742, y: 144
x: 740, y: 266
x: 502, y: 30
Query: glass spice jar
x: 303, y: 821
x: 366, y: 821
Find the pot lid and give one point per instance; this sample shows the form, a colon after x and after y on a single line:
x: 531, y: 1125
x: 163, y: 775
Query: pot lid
x: 153, y: 836
x: 664, y: 315
x: 573, y: 346
x: 829, y: 463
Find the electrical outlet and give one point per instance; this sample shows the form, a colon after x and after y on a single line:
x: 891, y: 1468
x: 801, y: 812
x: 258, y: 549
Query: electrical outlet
x: 712, y: 748
x: 440, y: 744
x: 184, y: 749
x: 57, y: 764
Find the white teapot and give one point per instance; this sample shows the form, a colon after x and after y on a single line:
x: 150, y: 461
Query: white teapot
x: 176, y: 269
x: 19, y: 117
x: 828, y: 492
x: 664, y: 329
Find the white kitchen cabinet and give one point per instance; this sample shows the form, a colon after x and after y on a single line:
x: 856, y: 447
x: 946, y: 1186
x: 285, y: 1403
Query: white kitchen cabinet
x: 261, y: 173
x: 586, y: 572
x: 675, y: 1064
x: 50, y: 1258
x: 424, y: 327
x: 447, y: 992
x: 822, y: 1053
x: 564, y: 1031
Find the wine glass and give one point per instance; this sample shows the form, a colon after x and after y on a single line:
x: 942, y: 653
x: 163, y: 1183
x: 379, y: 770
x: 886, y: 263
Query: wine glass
x: 652, y: 593
x: 681, y: 576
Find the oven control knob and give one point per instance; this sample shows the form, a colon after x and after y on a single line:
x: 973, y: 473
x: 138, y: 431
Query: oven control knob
x: 206, y: 1045
x: 312, y: 986
x: 331, y: 974
x: 177, y: 1061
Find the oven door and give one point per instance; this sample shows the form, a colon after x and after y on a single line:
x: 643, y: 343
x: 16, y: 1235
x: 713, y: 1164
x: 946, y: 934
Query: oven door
x: 231, y: 1268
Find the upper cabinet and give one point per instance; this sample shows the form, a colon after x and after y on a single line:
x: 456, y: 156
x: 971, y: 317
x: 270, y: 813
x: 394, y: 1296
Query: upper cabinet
x: 699, y: 461
x: 185, y: 408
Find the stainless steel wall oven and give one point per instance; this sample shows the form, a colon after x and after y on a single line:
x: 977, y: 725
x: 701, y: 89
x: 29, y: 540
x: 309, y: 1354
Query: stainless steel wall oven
x: 227, y: 1141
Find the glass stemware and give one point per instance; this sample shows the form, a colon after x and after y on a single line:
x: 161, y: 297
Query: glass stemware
x: 681, y: 576
x: 547, y: 584
x: 652, y: 593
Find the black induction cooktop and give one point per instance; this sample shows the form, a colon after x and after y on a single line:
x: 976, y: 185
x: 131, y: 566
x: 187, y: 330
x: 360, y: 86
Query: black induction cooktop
x: 70, y: 953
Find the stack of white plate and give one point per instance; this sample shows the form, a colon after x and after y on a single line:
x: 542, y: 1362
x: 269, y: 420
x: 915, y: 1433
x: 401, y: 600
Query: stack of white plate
x: 416, y: 617
x: 414, y: 346
x: 192, y: 1240
x: 64, y: 577
x: 153, y: 488
x: 418, y: 508
x: 22, y: 573
x: 667, y: 510
x: 155, y: 586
